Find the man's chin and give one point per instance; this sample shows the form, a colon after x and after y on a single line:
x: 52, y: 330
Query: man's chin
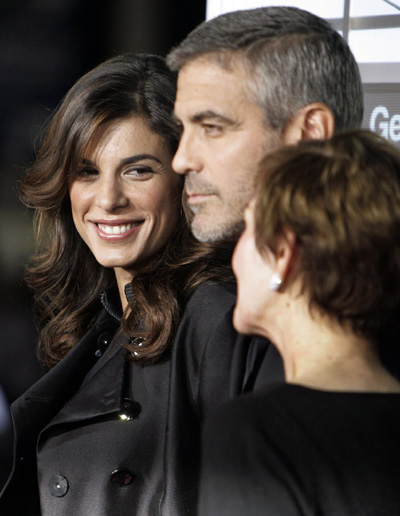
x: 209, y: 231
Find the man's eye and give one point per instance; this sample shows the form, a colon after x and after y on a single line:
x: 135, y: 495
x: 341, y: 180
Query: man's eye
x: 212, y: 129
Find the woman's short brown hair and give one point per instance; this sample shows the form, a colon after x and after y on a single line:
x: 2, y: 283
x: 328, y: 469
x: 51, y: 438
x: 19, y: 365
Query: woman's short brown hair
x: 341, y: 198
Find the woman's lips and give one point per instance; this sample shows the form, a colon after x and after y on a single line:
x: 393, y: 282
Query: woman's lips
x: 115, y: 232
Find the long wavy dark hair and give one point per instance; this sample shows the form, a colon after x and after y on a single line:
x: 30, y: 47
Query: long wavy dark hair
x: 66, y: 279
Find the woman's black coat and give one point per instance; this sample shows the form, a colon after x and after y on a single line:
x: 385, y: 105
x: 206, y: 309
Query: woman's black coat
x: 102, y: 436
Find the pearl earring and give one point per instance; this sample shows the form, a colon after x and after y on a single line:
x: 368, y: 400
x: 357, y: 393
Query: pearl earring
x: 275, y: 282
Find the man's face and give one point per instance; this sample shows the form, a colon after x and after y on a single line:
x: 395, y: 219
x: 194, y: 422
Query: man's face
x: 224, y: 138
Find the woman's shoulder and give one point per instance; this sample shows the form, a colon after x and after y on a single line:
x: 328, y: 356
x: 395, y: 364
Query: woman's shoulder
x: 288, y: 409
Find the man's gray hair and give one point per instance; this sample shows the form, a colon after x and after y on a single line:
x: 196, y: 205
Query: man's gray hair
x: 293, y: 59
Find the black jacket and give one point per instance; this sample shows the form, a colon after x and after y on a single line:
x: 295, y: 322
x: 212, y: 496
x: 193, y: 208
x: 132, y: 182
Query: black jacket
x: 70, y: 439
x: 290, y: 450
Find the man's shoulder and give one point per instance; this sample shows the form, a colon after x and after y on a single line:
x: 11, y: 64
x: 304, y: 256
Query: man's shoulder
x: 212, y: 298
x: 207, y: 319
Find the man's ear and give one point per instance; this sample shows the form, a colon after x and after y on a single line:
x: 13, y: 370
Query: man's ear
x: 312, y: 122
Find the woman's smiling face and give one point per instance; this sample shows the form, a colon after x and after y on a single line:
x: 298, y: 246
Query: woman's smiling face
x: 125, y: 197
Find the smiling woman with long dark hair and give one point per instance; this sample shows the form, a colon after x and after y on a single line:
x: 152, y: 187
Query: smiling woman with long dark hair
x: 134, y: 315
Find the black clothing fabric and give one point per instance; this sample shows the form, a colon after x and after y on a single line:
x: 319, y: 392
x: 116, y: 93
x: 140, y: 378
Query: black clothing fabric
x: 256, y: 364
x: 102, y: 436
x: 5, y: 437
x: 290, y: 451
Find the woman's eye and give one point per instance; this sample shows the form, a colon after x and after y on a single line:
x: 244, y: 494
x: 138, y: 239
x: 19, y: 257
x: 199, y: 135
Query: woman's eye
x: 86, y: 172
x: 139, y: 172
x: 178, y: 126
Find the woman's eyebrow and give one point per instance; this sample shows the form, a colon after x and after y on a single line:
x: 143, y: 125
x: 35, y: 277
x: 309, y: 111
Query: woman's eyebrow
x: 139, y: 157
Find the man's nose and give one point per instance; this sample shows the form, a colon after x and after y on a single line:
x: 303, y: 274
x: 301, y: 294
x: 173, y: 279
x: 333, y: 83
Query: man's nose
x: 187, y: 157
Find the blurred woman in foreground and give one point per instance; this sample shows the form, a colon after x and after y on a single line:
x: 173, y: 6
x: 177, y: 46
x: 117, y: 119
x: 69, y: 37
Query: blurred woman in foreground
x: 318, y: 268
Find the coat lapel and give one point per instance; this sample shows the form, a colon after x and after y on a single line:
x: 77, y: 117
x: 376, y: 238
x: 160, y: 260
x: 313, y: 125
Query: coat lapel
x: 101, y: 392
x: 34, y: 409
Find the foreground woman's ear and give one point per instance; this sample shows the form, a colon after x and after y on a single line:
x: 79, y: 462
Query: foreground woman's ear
x: 286, y: 254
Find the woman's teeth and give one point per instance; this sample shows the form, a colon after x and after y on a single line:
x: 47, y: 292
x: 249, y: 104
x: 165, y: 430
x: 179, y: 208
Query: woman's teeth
x: 116, y: 230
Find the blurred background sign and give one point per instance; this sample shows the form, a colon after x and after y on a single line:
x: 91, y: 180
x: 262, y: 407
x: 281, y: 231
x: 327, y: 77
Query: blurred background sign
x: 372, y: 29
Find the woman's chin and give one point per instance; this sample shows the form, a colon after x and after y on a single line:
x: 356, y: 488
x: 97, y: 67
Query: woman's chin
x: 241, y: 321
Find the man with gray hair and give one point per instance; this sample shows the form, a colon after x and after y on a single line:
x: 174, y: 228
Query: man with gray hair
x: 250, y: 82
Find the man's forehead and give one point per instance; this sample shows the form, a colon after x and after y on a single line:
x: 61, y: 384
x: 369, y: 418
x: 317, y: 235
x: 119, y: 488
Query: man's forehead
x: 203, y: 85
x: 210, y: 70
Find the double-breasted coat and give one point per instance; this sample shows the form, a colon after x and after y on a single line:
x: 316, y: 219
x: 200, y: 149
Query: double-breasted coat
x: 99, y: 435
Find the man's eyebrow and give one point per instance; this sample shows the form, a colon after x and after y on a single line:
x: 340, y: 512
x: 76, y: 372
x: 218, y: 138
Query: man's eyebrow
x: 210, y: 115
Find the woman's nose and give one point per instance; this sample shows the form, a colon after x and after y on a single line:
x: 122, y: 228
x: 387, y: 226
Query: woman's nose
x: 110, y: 194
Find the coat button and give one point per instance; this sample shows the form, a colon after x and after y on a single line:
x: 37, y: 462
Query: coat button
x: 104, y: 339
x: 103, y: 342
x: 58, y: 485
x: 121, y: 477
x: 129, y: 410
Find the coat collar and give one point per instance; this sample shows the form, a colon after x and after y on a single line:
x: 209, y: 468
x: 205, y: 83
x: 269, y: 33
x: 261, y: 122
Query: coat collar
x: 111, y: 301
x: 101, y: 392
x: 100, y: 382
x: 51, y: 400
x: 36, y: 408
